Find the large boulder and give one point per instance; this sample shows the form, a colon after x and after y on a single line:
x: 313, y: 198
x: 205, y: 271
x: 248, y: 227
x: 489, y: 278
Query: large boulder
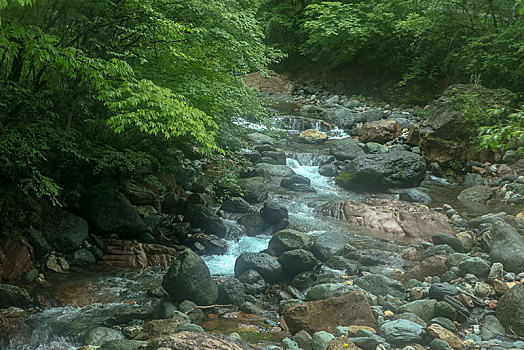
x: 188, y: 278
x: 254, y: 190
x: 402, y: 332
x: 268, y: 267
x: 378, y: 284
x: 380, y: 131
x: 376, y: 172
x: 346, y: 149
x: 109, y: 211
x: 296, y: 261
x: 69, y: 234
x: 275, y: 170
x: 444, y: 134
x: 201, y: 216
x: 202, y: 341
x: 509, y: 309
x: 288, y: 240
x: 15, y: 258
x: 476, y: 195
x: 273, y: 213
x: 345, y: 118
x: 314, y: 316
x: 13, y: 296
x: 253, y: 223
x: 507, y: 247
x: 390, y: 218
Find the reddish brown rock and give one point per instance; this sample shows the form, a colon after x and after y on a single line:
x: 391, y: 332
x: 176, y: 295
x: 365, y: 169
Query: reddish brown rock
x: 132, y: 254
x: 272, y: 83
x: 380, y: 131
x: 391, y: 220
x: 325, y: 315
x: 203, y: 341
x: 432, y: 266
x: 16, y: 258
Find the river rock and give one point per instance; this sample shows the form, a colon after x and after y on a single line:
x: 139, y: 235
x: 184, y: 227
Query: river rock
x: 100, y: 335
x: 253, y: 223
x: 257, y: 137
x: 320, y: 340
x: 378, y: 284
x: 236, y: 205
x: 82, y: 257
x: 473, y: 180
x: 313, y: 136
x: 254, y: 190
x: 297, y: 183
x: 509, y: 309
x: 491, y: 328
x: 121, y: 344
x: 268, y: 267
x: 425, y: 309
x: 253, y: 282
x: 231, y: 291
x: 414, y: 195
x: 401, y: 332
x: 345, y: 118
x: 476, y: 195
x: 328, y: 290
x: 380, y: 131
x: 202, y: 341
x: 188, y: 277
x: 329, y: 244
x: 69, y: 234
x: 507, y: 247
x: 452, y: 241
x: 439, y: 291
x: 201, y: 216
x: 349, y: 309
x: 288, y: 239
x: 432, y: 266
x: 132, y: 254
x: 390, y: 219
x: 275, y: 170
x: 40, y: 246
x: 345, y: 149
x: 329, y: 170
x: 273, y: 213
x: 13, y: 296
x: 437, y: 331
x: 476, y: 266
x: 109, y: 211
x: 296, y: 261
x: 376, y: 172
x: 15, y: 258
x: 159, y: 328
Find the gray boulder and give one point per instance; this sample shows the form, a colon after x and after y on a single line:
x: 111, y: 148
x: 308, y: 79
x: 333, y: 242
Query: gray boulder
x: 201, y: 216
x: 345, y: 118
x: 109, y: 211
x: 507, y: 247
x: 509, y: 309
x: 296, y: 261
x: 40, y: 246
x: 414, y: 195
x: 346, y: 149
x: 425, y: 309
x: 452, y: 241
x: 376, y: 172
x: 273, y: 213
x: 69, y: 234
x: 100, y: 335
x: 268, y: 267
x: 82, y: 257
x: 188, y: 277
x: 275, y: 169
x: 381, y: 285
x: 231, y: 291
x: 288, y: 240
x: 253, y: 223
x: 473, y: 180
x: 402, y: 332
x: 476, y: 266
x: 236, y: 205
x: 254, y: 190
x: 13, y: 296
x: 297, y: 183
x: 328, y: 290
x: 476, y: 195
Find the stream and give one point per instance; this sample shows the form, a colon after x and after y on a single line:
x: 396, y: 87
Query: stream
x: 97, y: 293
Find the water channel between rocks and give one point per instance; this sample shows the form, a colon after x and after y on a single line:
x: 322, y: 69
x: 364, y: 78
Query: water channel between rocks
x: 98, y: 294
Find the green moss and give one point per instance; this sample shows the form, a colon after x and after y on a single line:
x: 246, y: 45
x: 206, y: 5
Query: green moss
x: 344, y: 178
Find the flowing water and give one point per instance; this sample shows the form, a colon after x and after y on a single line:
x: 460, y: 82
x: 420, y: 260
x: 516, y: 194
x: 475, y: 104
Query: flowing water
x: 93, y: 296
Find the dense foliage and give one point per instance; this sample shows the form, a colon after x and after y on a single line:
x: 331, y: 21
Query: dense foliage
x: 418, y: 43
x: 103, y: 89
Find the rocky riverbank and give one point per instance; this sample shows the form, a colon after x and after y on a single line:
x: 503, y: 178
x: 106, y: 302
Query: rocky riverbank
x: 361, y: 250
